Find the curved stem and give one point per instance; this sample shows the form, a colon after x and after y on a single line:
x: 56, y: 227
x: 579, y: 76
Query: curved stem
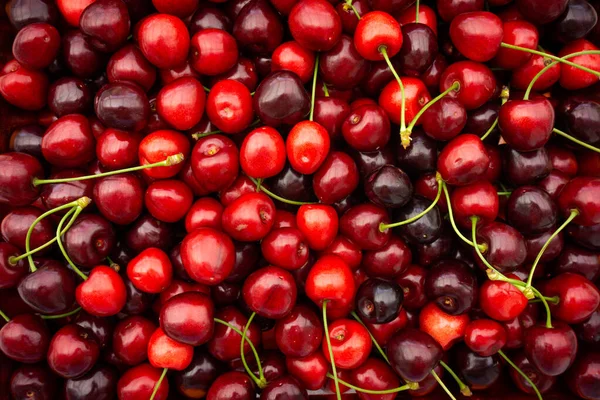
x: 474, y: 220
x: 350, y: 6
x: 552, y: 64
x: 404, y: 134
x: 504, y: 95
x: 328, y: 340
x: 383, y: 227
x: 550, y: 56
x: 573, y: 139
x: 261, y: 382
x: 59, y: 316
x: 4, y: 316
x: 379, y: 349
x: 314, y: 88
x: 512, y: 364
x: 546, y: 306
x: 464, y: 389
x: 236, y: 330
x: 408, y: 386
x: 455, y: 87
x: 200, y: 135
x: 441, y: 383
x: 171, y: 160
x: 158, y: 383
x: 276, y: 197
x: 451, y: 216
x: 75, y: 212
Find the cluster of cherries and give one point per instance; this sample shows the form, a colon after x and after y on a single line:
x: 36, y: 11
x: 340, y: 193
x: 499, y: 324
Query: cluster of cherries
x: 228, y: 199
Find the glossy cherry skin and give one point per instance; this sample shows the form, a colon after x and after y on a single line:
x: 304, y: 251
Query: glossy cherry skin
x: 388, y: 261
x: 16, y: 224
x: 129, y: 64
x: 262, y: 154
x: 11, y: 273
x: 164, y: 352
x: 106, y: 23
x: 416, y: 94
x: 315, y: 25
x: 202, y: 265
x: 477, y: 35
x: 569, y: 78
x: 181, y: 103
x: 463, y: 161
x: 342, y: 65
x: 258, y: 28
x: 299, y: 333
x: 232, y: 385
x: 213, y: 51
x: 122, y: 105
x: 195, y: 380
x: 225, y: 343
x: 150, y: 271
x: 164, y: 40
x: 330, y: 279
x: 413, y: 365
x: 36, y: 45
x: 378, y: 301
x: 69, y: 142
x: 517, y: 33
x: 281, y: 99
x: 477, y: 199
x: 270, y: 292
x: 583, y: 376
x: 310, y: 370
x: 115, y: 194
x: 90, y: 240
x: 525, y: 73
x: 446, y: 329
x: 207, y: 16
x: 424, y: 230
x: 501, y: 301
x: 188, y: 318
x: 25, y: 338
x: 22, y: 13
x: 319, y: 225
x: 117, y: 149
x: 542, y: 381
x: 215, y: 162
x: 168, y: 200
x: 138, y: 383
x: 531, y: 210
x: 32, y: 381
x: 477, y: 83
x: 478, y: 372
x: 506, y: 247
x: 541, y: 12
x: 229, y: 106
x: 444, y: 120
x: 389, y: 187
x: 336, y: 178
x: 374, y: 30
x: 103, y: 294
x: 578, y: 195
x: 579, y: 298
x: 49, y: 290
x: 16, y: 181
x: 576, y: 22
x: 27, y: 139
x: 551, y: 350
x: 350, y: 343
x: 366, y: 128
x: 286, y: 248
x: 361, y: 225
x: 452, y: 286
x: 249, y: 218
x: 526, y: 124
x: 130, y: 339
x: 80, y: 56
x: 307, y: 146
x: 485, y: 337
x: 290, y: 56
x: 206, y: 212
x: 97, y: 383
x: 23, y: 88
x: 73, y: 351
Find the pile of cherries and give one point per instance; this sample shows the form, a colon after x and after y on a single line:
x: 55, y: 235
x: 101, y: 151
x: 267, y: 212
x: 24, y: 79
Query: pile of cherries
x: 231, y: 199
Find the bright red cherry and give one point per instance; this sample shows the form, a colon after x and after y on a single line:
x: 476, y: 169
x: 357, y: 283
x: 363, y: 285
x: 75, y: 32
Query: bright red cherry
x: 164, y: 352
x: 478, y: 199
x: 446, y: 329
x: 25, y: 339
x: 270, y: 292
x: 290, y: 56
x: 262, y: 154
x: 578, y: 297
x: 139, y: 382
x: 477, y: 35
x: 375, y: 31
x: 477, y: 83
x: 249, y: 218
x: 350, y: 343
x: 164, y: 40
x: 330, y: 279
x: 130, y: 339
x: 215, y: 162
x: 307, y: 146
x: 225, y: 343
x: 518, y: 33
x: 501, y: 301
x: 526, y: 125
x: 206, y: 212
x: 580, y: 194
x: 285, y: 247
x: 299, y: 333
x: 73, y: 351
x: 181, y: 103
x: 208, y: 255
x: 103, y: 294
x: 150, y: 271
x: 36, y: 45
x: 229, y: 106
x: 159, y: 145
x: 485, y: 337
x: 213, y: 51
x: 311, y: 370
x: 315, y: 24
x: 416, y: 95
x: 69, y: 142
x: 168, y: 200
x: 463, y: 161
x: 319, y: 225
x: 572, y: 78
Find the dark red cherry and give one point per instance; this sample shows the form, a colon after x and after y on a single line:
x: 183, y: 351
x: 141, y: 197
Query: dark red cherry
x: 215, y: 162
x: 119, y: 198
x: 281, y: 99
x: 541, y: 12
x: 270, y: 292
x: 310, y: 370
x: 342, y: 65
x: 249, y: 218
x: 69, y: 142
x: 388, y: 261
x: 27, y: 139
x: 424, y: 230
x: 551, y: 350
x: 195, y: 380
x: 576, y: 259
x: 378, y: 301
x: 413, y: 365
x: 232, y: 385
x: 419, y: 48
x: 420, y: 156
x: 300, y: 333
x: 478, y: 372
x: 15, y: 226
x: 578, y: 195
x: 25, y: 338
x: 578, y: 297
x: 314, y: 24
x: 99, y: 383
x: 526, y: 124
x: 11, y: 273
x: 225, y: 343
x: 583, y: 376
x: 463, y: 161
x: 477, y: 83
x: 36, y: 45
x: 49, y: 290
x: 106, y: 23
x: 33, y: 381
x: 80, y: 56
x: 207, y: 16
x: 506, y: 247
x: 73, y: 351
x: 531, y: 210
x: 90, y: 240
x: 336, y: 178
x: 526, y: 168
x: 208, y: 267
x: 361, y: 224
x: 129, y: 64
x: 452, y: 286
x: 25, y: 12
x: 542, y: 381
x: 188, y: 318
x: 445, y: 119
x: 139, y: 382
x: 69, y: 96
x: 164, y: 40
x: 122, y: 105
x: 366, y: 128
x: 258, y: 27
x: 130, y: 339
x: 389, y: 187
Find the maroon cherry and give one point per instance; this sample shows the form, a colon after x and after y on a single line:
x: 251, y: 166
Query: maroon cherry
x: 463, y: 161
x: 188, y: 318
x: 551, y: 350
x: 50, y: 289
x: 270, y: 292
x: 25, y: 338
x: 73, y: 351
x: 106, y: 23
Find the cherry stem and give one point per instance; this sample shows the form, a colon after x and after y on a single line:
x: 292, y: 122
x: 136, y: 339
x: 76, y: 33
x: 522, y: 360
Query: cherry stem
x: 113, y: 264
x: 82, y: 202
x: 408, y: 386
x: 384, y: 227
x: 554, y: 300
x: 504, y: 193
x: 158, y: 383
x: 546, y: 306
x: 328, y: 340
x: 207, y: 90
x: 404, y: 134
x: 573, y: 139
x: 236, y: 330
x: 552, y: 64
x: 474, y: 220
x: 572, y: 216
x: 550, y: 56
x: 76, y: 211
x: 200, y: 135
x: 504, y: 95
x: 464, y: 389
x: 325, y: 90
x: 314, y: 88
x: 261, y: 382
x: 417, y: 11
x: 377, y: 346
x: 455, y: 87
x: 441, y: 383
x: 4, y: 316
x: 451, y: 216
x: 349, y: 5
x: 170, y: 160
x: 260, y: 188
x: 59, y: 316
x: 512, y: 364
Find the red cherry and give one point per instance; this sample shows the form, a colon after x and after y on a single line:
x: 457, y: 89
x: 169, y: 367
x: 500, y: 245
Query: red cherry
x: 103, y: 293
x: 463, y: 161
x: 311, y: 370
x: 299, y: 333
x: 213, y: 51
x: 129, y: 64
x: 262, y: 154
x: 138, y: 383
x: 270, y: 292
x: 578, y: 297
x: 478, y: 199
x: 188, y: 318
x: 117, y: 149
x: 164, y: 40
x: 36, y: 45
x: 159, y: 145
x: 26, y: 89
x: 501, y: 301
x: 25, y: 339
x: 130, y: 339
x: 366, y: 128
x: 346, y: 250
x: 315, y: 25
x: 522, y: 76
x: 208, y: 255
x: 350, y: 343
x: 290, y: 56
x: 249, y: 218
x: 477, y: 35
x: 319, y: 225
x: 225, y: 343
x: 551, y: 350
x: 377, y: 30
x: 71, y: 9
x: 181, y: 103
x: 384, y: 332
x: 572, y: 78
x: 150, y: 271
x: 215, y: 162
x: 168, y: 200
x: 526, y: 124
x: 285, y: 247
x: 449, y: 9
x: 336, y: 178
x: 181, y: 9
x: 12, y: 273
x: 516, y: 33
x: 446, y: 329
x: 164, y: 352
x: 416, y: 95
x: 229, y: 106
x: 361, y: 224
x: 307, y: 146
x: 330, y: 279
x: 72, y: 352
x: 477, y: 83
x: 580, y: 194
x: 427, y: 16
x: 69, y: 141
x: 206, y: 212
x: 485, y: 337
x: 119, y: 198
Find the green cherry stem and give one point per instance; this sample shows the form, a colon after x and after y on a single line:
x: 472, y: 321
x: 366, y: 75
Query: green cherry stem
x: 170, y: 160
x: 474, y: 220
x: 314, y: 88
x: 408, y: 386
x: 455, y: 87
x: 236, y: 330
x: 504, y: 95
x: 207, y: 90
x: 59, y: 316
x: 384, y: 227
x: 377, y: 346
x: 504, y: 193
x: 546, y: 306
x: 417, y: 11
x: 512, y: 364
x: 325, y: 90
x: 76, y: 211
x: 261, y: 381
x: 200, y: 135
x: 554, y: 300
x: 158, y: 383
x: 441, y: 383
x: 404, y: 134
x: 349, y: 6
x: 453, y: 223
x: 464, y: 389
x: 276, y: 197
x: 328, y: 340
x: 550, y: 56
x: 4, y: 316
x: 573, y: 139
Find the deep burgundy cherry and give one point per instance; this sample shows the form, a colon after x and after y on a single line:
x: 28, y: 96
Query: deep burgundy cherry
x: 378, y: 301
x: 452, y: 286
x: 90, y: 240
x: 99, y: 383
x: 506, y: 247
x: 130, y: 339
x: 413, y: 365
x: 424, y: 230
x: 581, y: 120
x: 33, y: 381
x: 478, y: 372
x: 195, y: 380
x: 15, y: 226
x: 122, y: 105
x: 11, y: 273
x: 258, y: 27
x: 73, y: 351
x: 49, y: 290
x: 582, y: 377
x: 129, y: 64
x: 207, y: 16
x: 389, y: 261
x: 188, y: 318
x: 119, y: 198
x: 531, y: 210
x: 551, y: 350
x: 542, y: 381
x: 25, y: 339
x: 336, y: 178
x: 106, y: 23
x: 541, y: 12
x: 281, y: 99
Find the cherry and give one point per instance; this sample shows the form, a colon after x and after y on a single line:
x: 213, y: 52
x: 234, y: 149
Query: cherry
x: 310, y: 370
x: 33, y: 381
x: 215, y: 162
x: 22, y: 13
x: 286, y: 386
x: 106, y: 23
x: 164, y: 352
x: 463, y: 161
x: 213, y: 51
x: 541, y: 12
x: 177, y: 113
x: 182, y: 9
x: 350, y: 343
x: 572, y: 78
x: 551, y: 350
x: 299, y: 334
x: 97, y: 383
x: 477, y: 83
x: 129, y: 64
x: 150, y: 271
x: 73, y: 351
x: 80, y: 56
x: 425, y: 229
x: 477, y: 199
x: 477, y: 35
x: 25, y: 339
x: 411, y: 365
x: 258, y: 27
x: 446, y: 329
x: 362, y: 225
x: 485, y: 337
x: 290, y: 56
x: 523, y: 75
x: 89, y: 240
x: 270, y: 292
x: 148, y: 232
x: 69, y: 141
x: 138, y: 383
x: 229, y: 106
x: 49, y: 290
x: 119, y: 198
x: 452, y: 286
x: 531, y: 210
x: 526, y: 124
x: 207, y: 16
x: 168, y: 200
x: 11, y: 273
x: 506, y: 247
x: 336, y: 178
x: 285, y: 247
x: 330, y: 279
x: 23, y: 88
x: 130, y: 339
x: 375, y: 30
x: 159, y: 145
x: 116, y: 149
x: 195, y: 380
x: 232, y: 385
x: 188, y: 318
x: 307, y: 146
x: 578, y: 297
x: 204, y: 213
x: 478, y: 372
x: 203, y: 266
x: 501, y: 301
x: 319, y: 225
x: 582, y: 377
x: 366, y: 128
x: 517, y: 33
x: 15, y: 226
x: 19, y: 171
x: 249, y: 218
x: 416, y: 96
x: 315, y: 25
x: 378, y: 301
x: 342, y: 65
x: 280, y: 99
x: 164, y: 40
x: 262, y: 154
x: 389, y: 261
x: 225, y: 343
x: 542, y: 382
x: 444, y: 120
x: 577, y: 195
x: 36, y: 45
x: 103, y: 293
